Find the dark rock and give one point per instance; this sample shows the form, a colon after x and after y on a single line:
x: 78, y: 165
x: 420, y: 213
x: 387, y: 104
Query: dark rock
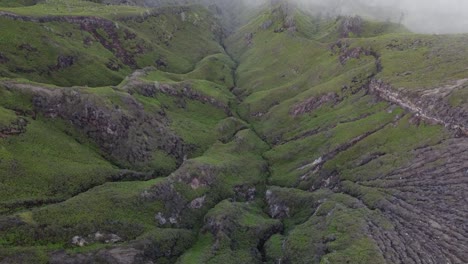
x: 65, y: 62
x: 351, y: 25
x: 277, y: 208
x: 27, y: 47
x: 16, y: 128
x: 128, y: 138
x: 3, y: 59
x: 161, y: 63
x: 313, y: 103
x: 245, y: 193
x: 428, y: 105
x: 197, y: 203
x: 129, y: 35
x: 79, y: 241
x: 114, y: 65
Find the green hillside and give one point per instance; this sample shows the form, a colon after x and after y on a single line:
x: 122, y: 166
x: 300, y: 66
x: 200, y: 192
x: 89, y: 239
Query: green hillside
x: 188, y: 134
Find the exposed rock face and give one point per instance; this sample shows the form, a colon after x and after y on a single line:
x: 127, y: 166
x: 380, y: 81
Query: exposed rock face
x: 197, y: 202
x: 277, y: 208
x: 428, y: 201
x: 106, y: 238
x: 177, y: 209
x: 164, y: 247
x: 16, y: 128
x: 63, y: 62
x: 313, y: 103
x: 173, y: 201
x: 79, y: 241
x: 351, y: 25
x: 128, y: 137
x: 345, y: 52
x: 180, y: 90
x: 430, y: 105
x: 227, y: 227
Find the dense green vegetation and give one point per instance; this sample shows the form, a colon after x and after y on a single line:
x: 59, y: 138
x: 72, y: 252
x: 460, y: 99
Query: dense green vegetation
x: 150, y: 135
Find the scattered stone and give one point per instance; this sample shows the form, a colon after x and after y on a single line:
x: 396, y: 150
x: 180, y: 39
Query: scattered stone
x: 107, y: 238
x: 195, y: 183
x: 79, y: 241
x: 173, y: 220
x: 198, y: 202
x: 161, y: 220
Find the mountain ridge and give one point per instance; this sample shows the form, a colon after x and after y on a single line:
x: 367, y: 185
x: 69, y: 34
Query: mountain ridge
x: 296, y: 139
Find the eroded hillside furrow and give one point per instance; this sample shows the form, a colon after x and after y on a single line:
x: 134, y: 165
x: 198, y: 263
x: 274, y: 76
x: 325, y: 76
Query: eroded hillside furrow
x: 421, y: 205
x: 316, y: 165
x: 284, y: 142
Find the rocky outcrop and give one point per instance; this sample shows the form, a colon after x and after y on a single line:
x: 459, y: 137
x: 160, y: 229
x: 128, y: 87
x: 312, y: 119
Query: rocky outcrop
x: 345, y: 53
x: 228, y: 228
x: 430, y: 105
x: 96, y: 237
x: 163, y: 246
x: 351, y: 26
x: 63, y: 62
x: 134, y: 84
x: 128, y: 137
x: 16, y: 128
x: 313, y: 103
x: 277, y: 208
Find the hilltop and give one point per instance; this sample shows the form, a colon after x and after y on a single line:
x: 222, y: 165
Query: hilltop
x: 192, y: 134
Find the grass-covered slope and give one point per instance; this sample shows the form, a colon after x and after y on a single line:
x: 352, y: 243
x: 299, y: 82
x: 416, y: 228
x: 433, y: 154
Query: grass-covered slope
x: 308, y: 140
x: 82, y: 43
x: 330, y: 97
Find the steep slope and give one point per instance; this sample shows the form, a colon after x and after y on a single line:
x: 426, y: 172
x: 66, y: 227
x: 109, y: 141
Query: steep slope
x: 365, y: 119
x: 81, y: 43
x: 308, y: 140
x: 139, y: 127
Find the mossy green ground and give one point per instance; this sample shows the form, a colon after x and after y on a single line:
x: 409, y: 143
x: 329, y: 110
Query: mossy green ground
x: 70, y: 7
x: 104, y: 54
x: 243, y: 135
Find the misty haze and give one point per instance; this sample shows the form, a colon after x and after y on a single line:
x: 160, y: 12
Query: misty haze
x: 424, y: 16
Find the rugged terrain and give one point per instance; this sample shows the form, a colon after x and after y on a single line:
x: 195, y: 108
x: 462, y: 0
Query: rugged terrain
x: 187, y: 134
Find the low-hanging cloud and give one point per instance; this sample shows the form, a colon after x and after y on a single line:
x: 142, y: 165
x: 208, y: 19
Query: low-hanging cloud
x: 425, y: 16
